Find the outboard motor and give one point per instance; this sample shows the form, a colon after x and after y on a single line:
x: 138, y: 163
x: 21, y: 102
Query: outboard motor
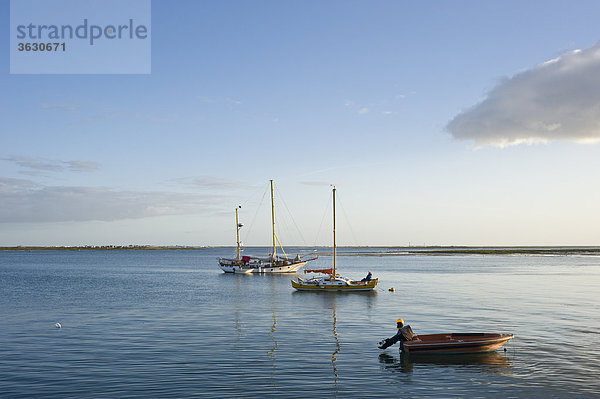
x: 386, y: 343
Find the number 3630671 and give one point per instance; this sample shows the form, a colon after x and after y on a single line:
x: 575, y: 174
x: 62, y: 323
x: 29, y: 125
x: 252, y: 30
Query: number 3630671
x: 41, y: 46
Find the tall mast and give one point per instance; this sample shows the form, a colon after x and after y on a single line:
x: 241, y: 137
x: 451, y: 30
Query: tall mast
x: 237, y: 231
x: 273, y: 218
x: 334, y: 245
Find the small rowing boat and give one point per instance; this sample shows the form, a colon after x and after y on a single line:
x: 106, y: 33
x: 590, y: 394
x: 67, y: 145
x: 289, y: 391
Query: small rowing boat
x: 442, y: 344
x: 455, y: 343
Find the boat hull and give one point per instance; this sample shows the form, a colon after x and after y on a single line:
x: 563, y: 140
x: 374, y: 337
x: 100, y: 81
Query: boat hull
x: 265, y: 268
x: 456, y: 343
x: 325, y: 287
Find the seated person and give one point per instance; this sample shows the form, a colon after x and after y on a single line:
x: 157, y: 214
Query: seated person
x: 368, y: 278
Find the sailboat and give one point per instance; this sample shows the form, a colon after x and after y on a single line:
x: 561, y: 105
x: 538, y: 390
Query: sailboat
x: 333, y: 281
x: 273, y: 263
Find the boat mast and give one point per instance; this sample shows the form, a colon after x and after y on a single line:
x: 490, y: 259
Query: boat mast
x: 273, y: 219
x: 334, y: 245
x: 237, y: 231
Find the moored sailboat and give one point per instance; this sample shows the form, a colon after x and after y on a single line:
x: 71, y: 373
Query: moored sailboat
x: 273, y: 263
x: 333, y: 281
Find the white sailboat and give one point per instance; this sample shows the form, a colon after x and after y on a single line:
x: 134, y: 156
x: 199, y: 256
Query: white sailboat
x: 273, y: 263
x: 333, y: 281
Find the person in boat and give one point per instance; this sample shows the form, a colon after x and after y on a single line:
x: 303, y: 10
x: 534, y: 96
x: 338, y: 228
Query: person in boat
x: 297, y: 258
x: 368, y: 278
x: 405, y: 333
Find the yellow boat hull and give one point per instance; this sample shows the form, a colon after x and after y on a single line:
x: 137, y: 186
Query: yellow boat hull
x: 334, y: 286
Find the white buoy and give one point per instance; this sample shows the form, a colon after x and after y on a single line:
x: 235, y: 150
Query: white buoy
x: 57, y: 325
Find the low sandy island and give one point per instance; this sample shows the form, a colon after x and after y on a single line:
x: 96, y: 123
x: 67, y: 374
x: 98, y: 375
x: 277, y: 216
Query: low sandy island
x: 97, y: 248
x: 348, y: 251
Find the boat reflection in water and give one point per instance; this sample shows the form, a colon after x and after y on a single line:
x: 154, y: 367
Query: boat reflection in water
x: 335, y: 342
x: 338, y: 346
x: 490, y: 362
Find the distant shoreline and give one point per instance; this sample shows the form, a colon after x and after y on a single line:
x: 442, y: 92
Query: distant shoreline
x: 363, y: 251
x: 488, y: 251
x: 98, y: 248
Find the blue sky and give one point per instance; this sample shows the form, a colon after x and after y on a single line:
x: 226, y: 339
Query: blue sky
x: 440, y: 122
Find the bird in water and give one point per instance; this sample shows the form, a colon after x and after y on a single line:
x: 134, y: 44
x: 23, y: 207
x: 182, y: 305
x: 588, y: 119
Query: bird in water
x: 57, y: 325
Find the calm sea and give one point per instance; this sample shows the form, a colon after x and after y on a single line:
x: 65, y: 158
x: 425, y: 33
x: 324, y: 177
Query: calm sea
x: 170, y: 324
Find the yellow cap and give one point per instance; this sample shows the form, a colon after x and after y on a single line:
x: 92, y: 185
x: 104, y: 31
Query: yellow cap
x: 400, y: 321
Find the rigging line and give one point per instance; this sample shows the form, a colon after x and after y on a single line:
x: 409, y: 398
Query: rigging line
x: 291, y: 216
x: 323, y: 218
x: 254, y: 193
x: 281, y: 246
x: 348, y: 221
x: 247, y: 235
x: 282, y: 218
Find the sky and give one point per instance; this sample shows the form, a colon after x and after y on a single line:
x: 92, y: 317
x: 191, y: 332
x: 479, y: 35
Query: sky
x: 439, y: 122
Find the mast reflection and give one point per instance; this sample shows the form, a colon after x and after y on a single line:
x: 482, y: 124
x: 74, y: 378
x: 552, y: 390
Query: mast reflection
x: 338, y: 347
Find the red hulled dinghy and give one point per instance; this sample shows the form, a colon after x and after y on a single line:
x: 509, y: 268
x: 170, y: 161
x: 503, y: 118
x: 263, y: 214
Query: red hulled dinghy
x: 455, y: 343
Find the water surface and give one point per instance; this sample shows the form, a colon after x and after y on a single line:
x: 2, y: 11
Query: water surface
x: 171, y: 324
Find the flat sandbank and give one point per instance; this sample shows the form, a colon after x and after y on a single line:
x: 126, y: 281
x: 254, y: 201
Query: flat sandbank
x: 347, y: 251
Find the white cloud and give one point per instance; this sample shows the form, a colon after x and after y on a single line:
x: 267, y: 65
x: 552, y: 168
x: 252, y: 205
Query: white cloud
x: 210, y: 183
x: 51, y: 165
x: 556, y: 100
x: 363, y: 111
x: 9, y: 184
x: 81, y: 166
x: 316, y: 183
x: 61, y: 106
x: 46, y: 165
x: 219, y: 100
x: 24, y: 201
